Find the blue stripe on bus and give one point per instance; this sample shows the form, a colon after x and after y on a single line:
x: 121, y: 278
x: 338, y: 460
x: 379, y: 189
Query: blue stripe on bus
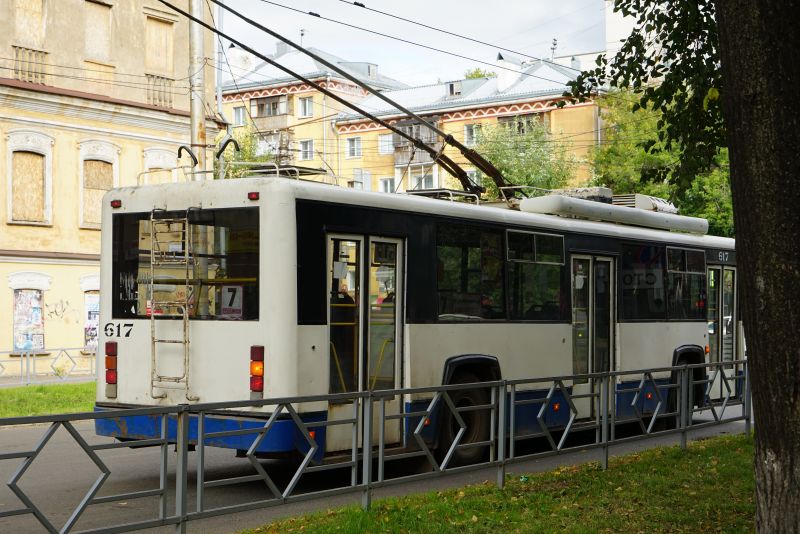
x: 283, y: 436
x: 626, y: 393
x: 526, y: 416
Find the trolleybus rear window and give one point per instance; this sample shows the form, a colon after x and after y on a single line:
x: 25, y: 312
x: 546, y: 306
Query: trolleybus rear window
x: 203, y: 263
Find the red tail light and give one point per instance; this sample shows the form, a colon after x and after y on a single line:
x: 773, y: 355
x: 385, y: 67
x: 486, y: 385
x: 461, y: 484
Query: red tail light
x: 257, y: 384
x: 111, y: 376
x: 257, y: 353
x: 111, y: 348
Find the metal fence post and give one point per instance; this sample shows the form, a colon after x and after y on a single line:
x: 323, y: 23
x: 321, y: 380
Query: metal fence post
x: 747, y: 399
x: 366, y: 442
x: 181, y: 468
x: 684, y: 404
x: 501, y: 435
x: 604, y: 419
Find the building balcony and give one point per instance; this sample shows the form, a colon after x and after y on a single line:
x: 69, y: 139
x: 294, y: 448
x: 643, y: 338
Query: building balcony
x: 272, y: 122
x: 403, y: 154
x: 30, y: 65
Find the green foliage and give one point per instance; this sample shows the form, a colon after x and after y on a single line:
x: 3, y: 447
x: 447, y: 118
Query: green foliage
x: 478, y: 72
x: 709, y: 487
x: 248, y: 141
x: 671, y: 62
x: 632, y: 159
x: 532, y: 157
x: 47, y: 399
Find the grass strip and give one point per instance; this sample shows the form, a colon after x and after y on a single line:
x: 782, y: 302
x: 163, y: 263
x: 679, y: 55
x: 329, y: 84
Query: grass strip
x: 708, y: 488
x: 46, y: 399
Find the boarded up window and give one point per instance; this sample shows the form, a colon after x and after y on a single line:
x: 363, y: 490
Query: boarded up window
x: 29, y: 23
x: 158, y: 46
x: 98, y: 177
x: 27, y: 187
x: 98, y: 31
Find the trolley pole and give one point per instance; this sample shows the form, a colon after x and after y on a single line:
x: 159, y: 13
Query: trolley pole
x: 197, y: 88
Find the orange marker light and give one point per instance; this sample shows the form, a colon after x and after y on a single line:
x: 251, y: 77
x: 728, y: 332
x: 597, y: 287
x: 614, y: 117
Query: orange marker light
x: 312, y: 434
x: 648, y: 396
x: 708, y: 349
x: 256, y: 368
x: 427, y: 422
x: 111, y: 362
x: 556, y: 406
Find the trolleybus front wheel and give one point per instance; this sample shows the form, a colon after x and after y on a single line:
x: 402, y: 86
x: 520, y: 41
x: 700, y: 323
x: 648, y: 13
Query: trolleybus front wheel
x: 475, y: 421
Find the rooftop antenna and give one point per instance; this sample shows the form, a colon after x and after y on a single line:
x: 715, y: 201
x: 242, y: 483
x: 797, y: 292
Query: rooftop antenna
x: 553, y: 49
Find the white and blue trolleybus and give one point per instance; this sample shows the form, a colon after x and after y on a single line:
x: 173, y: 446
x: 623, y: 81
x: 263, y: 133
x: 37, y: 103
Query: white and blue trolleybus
x: 271, y: 288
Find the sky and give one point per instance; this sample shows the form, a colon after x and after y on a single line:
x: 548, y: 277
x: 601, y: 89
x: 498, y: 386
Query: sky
x: 524, y: 26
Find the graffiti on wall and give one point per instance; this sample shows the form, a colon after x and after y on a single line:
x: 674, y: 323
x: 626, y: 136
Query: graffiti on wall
x: 28, y: 320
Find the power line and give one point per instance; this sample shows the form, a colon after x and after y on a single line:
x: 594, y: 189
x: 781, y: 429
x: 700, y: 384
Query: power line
x: 434, y: 28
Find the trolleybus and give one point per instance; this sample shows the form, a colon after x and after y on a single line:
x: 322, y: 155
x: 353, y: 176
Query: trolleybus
x: 272, y: 288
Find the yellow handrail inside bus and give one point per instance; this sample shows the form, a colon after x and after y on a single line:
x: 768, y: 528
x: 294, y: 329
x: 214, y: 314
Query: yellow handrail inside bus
x: 380, y: 361
x: 338, y: 367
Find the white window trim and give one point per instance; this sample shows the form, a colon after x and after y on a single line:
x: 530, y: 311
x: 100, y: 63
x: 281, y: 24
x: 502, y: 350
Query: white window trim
x: 29, y: 280
x: 300, y: 107
x: 39, y: 143
x: 391, y: 144
x: 159, y: 158
x: 300, y: 144
x: 243, y: 122
x: 347, y: 147
x: 90, y: 282
x: 96, y: 149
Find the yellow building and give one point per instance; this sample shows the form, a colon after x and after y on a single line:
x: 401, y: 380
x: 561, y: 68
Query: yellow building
x: 293, y: 121
x: 520, y: 93
x: 92, y: 95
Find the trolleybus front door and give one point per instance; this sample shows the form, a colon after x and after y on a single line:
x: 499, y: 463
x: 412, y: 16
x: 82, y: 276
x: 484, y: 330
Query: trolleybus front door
x: 592, y: 326
x: 365, y: 322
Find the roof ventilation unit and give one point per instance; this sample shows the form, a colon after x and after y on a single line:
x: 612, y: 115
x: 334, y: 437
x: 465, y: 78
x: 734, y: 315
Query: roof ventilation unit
x: 596, y: 194
x: 644, y: 202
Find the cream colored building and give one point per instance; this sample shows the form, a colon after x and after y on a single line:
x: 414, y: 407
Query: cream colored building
x: 93, y: 93
x: 294, y: 121
x: 521, y: 92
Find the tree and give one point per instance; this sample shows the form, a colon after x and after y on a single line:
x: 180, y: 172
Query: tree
x: 631, y: 159
x: 248, y: 140
x: 526, y: 154
x: 478, y: 72
x: 725, y: 73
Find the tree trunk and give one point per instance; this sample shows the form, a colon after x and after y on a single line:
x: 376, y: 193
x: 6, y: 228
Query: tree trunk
x: 760, y: 55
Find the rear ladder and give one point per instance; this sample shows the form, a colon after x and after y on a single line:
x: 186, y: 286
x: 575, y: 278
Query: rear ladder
x: 170, y: 246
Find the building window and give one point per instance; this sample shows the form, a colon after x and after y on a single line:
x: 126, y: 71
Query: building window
x: 420, y: 177
x: 159, y: 166
x: 99, y: 168
x: 307, y: 149
x: 97, y: 31
x: 361, y: 180
x: 90, y: 285
x: 268, y: 144
x: 471, y: 134
x: 159, y: 46
x: 454, y: 89
x: 522, y: 124
x: 269, y: 107
x: 387, y: 185
x: 307, y: 106
x: 386, y: 144
x: 29, y: 22
x: 238, y: 116
x: 29, y: 171
x: 354, y: 147
x: 28, y: 312
x: 475, y: 176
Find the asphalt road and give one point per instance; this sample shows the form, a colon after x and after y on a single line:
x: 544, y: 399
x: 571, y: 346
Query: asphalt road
x: 61, y: 475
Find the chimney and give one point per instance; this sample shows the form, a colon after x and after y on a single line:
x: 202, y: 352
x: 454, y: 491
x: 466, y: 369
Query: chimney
x: 508, y: 72
x: 575, y: 63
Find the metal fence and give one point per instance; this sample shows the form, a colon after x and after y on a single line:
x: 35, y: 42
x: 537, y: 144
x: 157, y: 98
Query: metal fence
x: 654, y: 401
x: 43, y: 366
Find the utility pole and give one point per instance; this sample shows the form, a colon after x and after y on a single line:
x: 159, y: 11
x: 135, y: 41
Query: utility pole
x: 197, y: 111
x: 197, y: 89
x: 220, y: 58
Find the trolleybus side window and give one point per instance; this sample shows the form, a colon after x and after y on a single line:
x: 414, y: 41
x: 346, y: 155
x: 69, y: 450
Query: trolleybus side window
x: 686, y: 284
x: 642, y: 283
x: 469, y: 273
x: 219, y: 281
x: 535, y: 272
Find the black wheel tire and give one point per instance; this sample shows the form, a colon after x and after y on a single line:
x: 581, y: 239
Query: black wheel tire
x: 477, y: 423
